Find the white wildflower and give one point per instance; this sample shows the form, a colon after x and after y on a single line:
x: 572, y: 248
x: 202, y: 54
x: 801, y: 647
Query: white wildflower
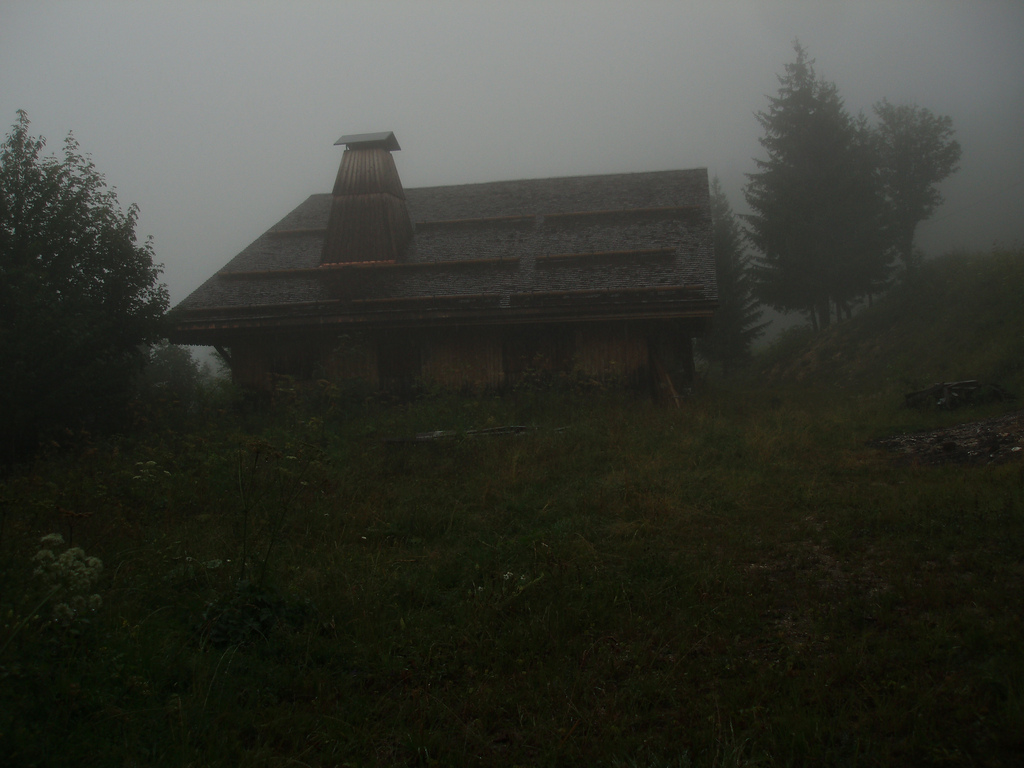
x: 71, y: 574
x: 79, y: 572
x: 52, y: 540
x: 45, y: 569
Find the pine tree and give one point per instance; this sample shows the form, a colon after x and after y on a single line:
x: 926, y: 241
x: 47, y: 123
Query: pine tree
x: 817, y: 218
x: 735, y: 326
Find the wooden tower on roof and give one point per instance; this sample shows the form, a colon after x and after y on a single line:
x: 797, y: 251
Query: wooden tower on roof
x: 369, y: 219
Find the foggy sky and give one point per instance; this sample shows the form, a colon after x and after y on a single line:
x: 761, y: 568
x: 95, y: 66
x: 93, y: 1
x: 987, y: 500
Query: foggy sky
x: 217, y: 119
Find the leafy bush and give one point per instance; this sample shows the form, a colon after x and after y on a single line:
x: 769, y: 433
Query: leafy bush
x: 79, y: 296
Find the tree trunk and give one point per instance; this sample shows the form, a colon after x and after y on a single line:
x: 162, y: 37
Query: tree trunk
x: 824, y: 314
x: 906, y: 249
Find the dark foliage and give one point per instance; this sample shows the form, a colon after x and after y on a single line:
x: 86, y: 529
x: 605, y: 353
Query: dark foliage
x: 174, y: 385
x: 818, y: 213
x: 736, y: 324
x: 916, y: 150
x: 79, y: 296
x: 248, y: 614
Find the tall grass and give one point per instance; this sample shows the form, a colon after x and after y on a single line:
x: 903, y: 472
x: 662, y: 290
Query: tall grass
x: 734, y: 583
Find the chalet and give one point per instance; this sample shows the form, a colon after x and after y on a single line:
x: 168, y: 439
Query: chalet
x: 474, y: 284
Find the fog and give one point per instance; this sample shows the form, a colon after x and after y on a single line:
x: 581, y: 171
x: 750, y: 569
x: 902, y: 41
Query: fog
x: 219, y: 118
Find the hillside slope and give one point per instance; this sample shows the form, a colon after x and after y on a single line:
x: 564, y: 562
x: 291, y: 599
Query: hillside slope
x: 962, y: 319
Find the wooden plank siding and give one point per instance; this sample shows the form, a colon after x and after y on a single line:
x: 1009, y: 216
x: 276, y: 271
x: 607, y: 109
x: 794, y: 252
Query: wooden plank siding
x: 256, y: 362
x: 352, y: 356
x: 480, y: 357
x: 463, y: 357
x: 612, y: 351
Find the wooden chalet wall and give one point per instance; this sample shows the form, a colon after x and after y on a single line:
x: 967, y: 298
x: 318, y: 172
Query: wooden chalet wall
x: 489, y: 357
x: 462, y: 357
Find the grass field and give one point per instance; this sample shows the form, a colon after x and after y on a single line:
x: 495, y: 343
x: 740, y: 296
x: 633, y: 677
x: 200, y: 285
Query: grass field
x: 741, y: 581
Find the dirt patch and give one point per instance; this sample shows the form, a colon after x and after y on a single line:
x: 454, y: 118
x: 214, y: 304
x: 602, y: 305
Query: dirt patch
x: 990, y: 441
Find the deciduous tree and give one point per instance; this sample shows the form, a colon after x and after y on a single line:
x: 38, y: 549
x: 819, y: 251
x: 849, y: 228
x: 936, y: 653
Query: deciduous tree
x: 79, y: 296
x: 916, y: 150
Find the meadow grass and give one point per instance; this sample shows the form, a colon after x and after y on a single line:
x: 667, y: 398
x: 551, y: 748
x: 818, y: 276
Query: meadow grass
x: 959, y: 319
x: 741, y: 581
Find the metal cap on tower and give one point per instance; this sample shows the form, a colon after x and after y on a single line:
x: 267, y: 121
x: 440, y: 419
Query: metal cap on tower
x: 369, y: 220
x: 382, y: 140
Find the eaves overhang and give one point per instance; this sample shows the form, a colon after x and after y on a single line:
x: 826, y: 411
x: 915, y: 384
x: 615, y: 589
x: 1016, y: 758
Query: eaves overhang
x: 221, y: 325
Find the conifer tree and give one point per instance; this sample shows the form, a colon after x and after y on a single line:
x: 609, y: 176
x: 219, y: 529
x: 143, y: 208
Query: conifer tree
x: 735, y: 326
x: 817, y: 218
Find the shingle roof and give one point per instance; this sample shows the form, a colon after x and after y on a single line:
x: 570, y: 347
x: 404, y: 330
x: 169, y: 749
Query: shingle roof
x: 496, y: 243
